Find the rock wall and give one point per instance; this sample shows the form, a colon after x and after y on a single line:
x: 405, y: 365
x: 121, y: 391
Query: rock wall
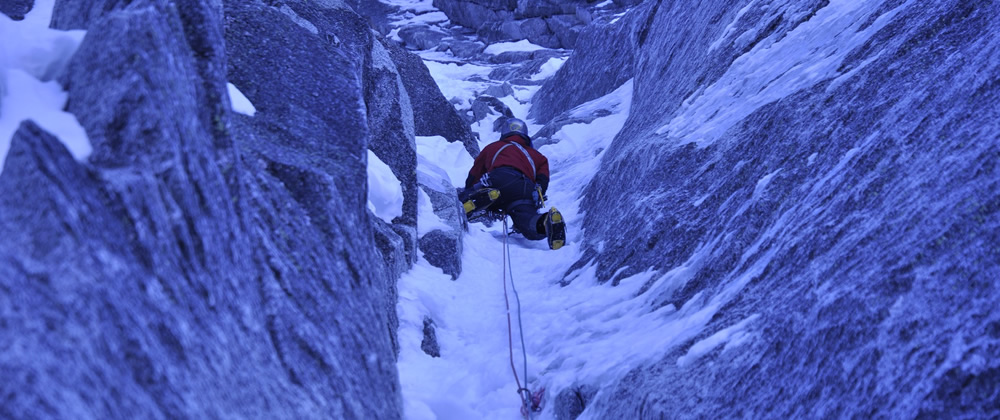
x: 847, y: 206
x: 205, y: 263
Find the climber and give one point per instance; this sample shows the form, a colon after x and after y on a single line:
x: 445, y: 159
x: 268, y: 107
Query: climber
x: 511, y: 176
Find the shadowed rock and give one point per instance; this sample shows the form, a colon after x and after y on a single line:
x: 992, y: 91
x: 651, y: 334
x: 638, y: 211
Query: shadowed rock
x: 16, y: 9
x: 198, y: 266
x: 420, y: 37
x: 429, y: 343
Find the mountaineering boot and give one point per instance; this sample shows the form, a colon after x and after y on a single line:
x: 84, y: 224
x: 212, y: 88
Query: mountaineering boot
x: 480, y: 199
x: 555, y: 229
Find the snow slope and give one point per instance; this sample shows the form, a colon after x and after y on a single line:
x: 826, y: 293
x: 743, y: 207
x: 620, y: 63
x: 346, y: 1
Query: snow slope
x: 583, y: 333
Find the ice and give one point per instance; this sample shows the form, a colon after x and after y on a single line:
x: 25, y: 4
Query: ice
x: 240, y: 103
x: 385, y: 191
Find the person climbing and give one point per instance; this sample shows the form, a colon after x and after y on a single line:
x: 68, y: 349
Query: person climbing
x: 510, y: 175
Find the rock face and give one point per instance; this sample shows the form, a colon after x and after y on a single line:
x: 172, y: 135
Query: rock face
x: 206, y: 264
x: 848, y: 204
x: 441, y: 243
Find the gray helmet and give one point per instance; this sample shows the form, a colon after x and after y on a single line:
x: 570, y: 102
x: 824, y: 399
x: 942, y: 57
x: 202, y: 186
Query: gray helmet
x: 514, y: 126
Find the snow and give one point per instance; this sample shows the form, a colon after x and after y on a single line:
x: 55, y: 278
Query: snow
x: 429, y: 18
x: 385, y: 191
x: 549, y: 68
x: 522, y: 45
x: 585, y: 332
x: 427, y: 221
x: 239, y: 101
x: 33, y: 55
x: 773, y: 70
x: 461, y: 81
x: 449, y: 157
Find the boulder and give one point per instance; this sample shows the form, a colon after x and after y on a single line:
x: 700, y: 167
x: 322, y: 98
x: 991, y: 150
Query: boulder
x: 429, y: 343
x: 476, y: 13
x: 441, y: 243
x: 499, y: 91
x: 443, y: 250
x: 500, y: 31
x: 571, y: 402
x: 511, y: 57
x: 566, y: 28
x: 521, y: 73
x: 466, y: 49
x: 545, y: 8
x: 421, y: 37
x: 16, y: 9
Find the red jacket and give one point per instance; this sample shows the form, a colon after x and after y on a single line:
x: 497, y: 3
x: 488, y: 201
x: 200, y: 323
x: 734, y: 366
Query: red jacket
x: 511, y: 156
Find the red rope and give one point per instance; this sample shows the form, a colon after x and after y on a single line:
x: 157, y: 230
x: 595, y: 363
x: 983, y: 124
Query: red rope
x: 510, y: 332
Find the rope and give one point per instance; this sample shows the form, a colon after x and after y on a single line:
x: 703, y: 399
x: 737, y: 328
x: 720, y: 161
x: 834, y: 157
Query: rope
x: 523, y: 393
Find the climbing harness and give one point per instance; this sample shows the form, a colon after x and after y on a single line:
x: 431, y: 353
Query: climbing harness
x: 530, y: 402
x: 523, y: 150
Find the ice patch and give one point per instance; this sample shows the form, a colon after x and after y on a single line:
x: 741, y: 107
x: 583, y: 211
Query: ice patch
x: 239, y: 101
x: 385, y: 191
x: 702, y: 347
x: 763, y: 183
